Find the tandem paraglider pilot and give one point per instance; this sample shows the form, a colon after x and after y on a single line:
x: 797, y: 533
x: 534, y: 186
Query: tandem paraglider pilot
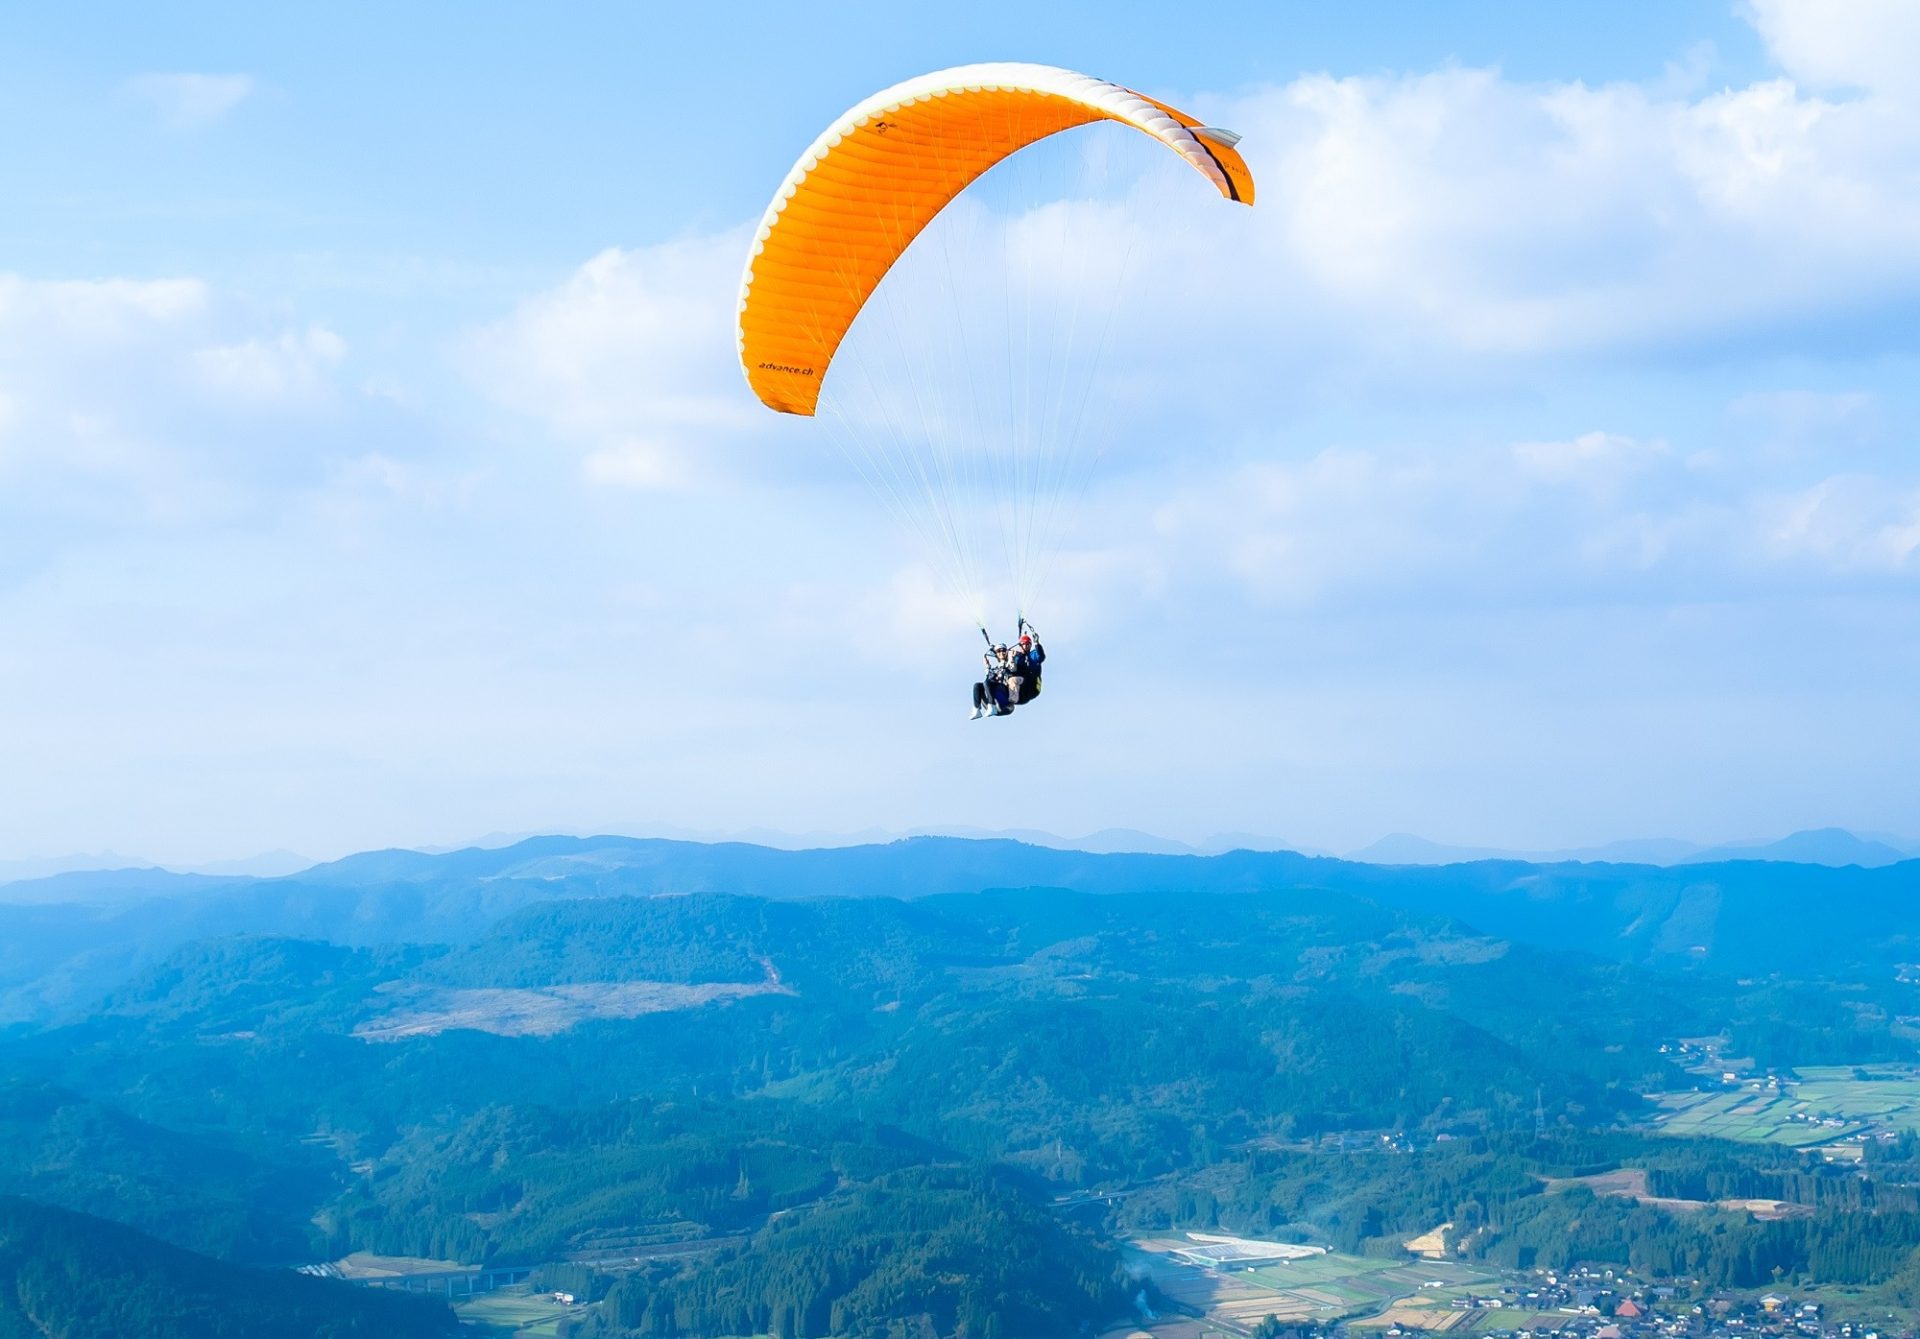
x: 1012, y: 677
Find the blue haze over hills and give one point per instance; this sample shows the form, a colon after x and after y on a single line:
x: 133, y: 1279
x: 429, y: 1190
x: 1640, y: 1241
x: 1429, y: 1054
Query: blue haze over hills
x: 1812, y: 846
x: 67, y: 938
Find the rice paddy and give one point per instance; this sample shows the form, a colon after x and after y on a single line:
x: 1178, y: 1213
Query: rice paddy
x: 1322, y: 1287
x: 513, y: 1311
x: 1816, y: 1105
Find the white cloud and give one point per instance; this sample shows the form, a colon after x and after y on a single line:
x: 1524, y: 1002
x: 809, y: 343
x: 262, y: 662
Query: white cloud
x: 1466, y: 217
x: 293, y: 365
x: 1690, y: 73
x: 185, y: 102
x: 1598, y: 514
x: 1847, y: 44
x: 128, y: 398
x: 629, y: 361
x: 98, y: 312
x: 1854, y: 523
x: 1600, y: 461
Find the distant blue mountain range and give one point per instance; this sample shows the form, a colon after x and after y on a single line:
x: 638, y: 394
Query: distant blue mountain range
x: 66, y: 938
x: 1813, y: 846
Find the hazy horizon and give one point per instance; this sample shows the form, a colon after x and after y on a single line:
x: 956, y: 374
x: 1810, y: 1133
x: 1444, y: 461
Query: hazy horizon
x: 1387, y: 848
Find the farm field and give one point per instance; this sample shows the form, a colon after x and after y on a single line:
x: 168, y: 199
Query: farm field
x: 1420, y: 1315
x: 1631, y: 1183
x: 513, y: 1312
x: 1823, y: 1105
x: 1315, y: 1288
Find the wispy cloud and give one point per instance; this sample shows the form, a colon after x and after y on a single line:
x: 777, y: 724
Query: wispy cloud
x: 184, y: 102
x: 1597, y: 516
x: 629, y: 362
x: 147, y: 399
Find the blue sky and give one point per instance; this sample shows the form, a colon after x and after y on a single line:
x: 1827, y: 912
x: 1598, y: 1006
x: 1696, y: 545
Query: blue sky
x: 373, y: 469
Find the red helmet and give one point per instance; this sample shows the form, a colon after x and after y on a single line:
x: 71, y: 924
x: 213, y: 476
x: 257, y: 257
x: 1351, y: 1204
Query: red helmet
x: 1025, y: 640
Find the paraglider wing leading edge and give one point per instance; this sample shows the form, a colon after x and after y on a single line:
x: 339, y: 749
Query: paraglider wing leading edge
x: 868, y: 185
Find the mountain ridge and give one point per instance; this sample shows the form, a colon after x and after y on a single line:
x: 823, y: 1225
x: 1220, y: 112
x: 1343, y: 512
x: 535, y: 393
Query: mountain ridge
x: 69, y: 940
x: 1820, y: 846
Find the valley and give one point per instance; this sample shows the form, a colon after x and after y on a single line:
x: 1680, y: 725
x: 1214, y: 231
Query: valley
x: 705, y: 1112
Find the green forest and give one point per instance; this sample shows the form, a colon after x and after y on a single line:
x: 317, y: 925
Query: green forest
x: 76, y: 1277
x: 965, y: 1250
x: 717, y: 1114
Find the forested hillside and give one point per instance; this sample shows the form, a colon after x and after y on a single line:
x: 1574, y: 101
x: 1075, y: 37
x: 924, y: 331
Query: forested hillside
x: 968, y: 1254
x: 204, y: 1193
x: 824, y: 1113
x: 68, y: 1275
x: 66, y: 939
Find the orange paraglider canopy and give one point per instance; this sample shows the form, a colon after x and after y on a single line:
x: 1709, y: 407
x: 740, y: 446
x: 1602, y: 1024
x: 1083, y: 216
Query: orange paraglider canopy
x: 867, y: 187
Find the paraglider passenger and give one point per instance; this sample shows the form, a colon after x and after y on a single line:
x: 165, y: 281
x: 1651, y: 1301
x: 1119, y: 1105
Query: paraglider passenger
x: 990, y: 694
